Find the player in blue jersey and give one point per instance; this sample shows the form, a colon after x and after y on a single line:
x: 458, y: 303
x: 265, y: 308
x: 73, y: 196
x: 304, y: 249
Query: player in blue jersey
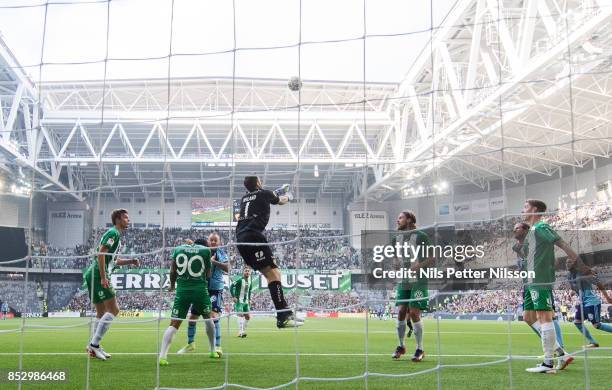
x: 582, y: 279
x: 216, y: 283
x: 5, y: 310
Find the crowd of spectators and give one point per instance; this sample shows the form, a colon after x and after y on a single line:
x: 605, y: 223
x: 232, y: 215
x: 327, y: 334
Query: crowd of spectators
x: 317, y: 249
x: 591, y: 216
x: 323, y: 248
x: 308, y: 248
x: 14, y: 291
x: 58, y: 293
x: 498, y: 302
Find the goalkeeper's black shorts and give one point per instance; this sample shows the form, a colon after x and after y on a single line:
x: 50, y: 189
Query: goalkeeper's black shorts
x: 255, y: 256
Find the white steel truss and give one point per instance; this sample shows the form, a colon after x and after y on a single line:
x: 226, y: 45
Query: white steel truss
x: 197, y: 135
x: 20, y: 132
x: 497, y: 76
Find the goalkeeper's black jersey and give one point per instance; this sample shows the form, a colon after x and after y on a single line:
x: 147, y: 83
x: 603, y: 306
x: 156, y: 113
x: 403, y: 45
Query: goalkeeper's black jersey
x: 255, y: 211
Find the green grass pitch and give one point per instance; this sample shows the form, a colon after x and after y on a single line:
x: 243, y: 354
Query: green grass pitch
x: 224, y: 215
x: 328, y: 348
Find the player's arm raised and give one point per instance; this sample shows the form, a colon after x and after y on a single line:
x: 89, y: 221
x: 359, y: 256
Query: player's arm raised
x: 284, y: 199
x: 284, y: 194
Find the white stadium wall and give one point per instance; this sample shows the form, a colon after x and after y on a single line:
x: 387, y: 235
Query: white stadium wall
x: 326, y: 212
x: 16, y: 212
x: 468, y: 203
x: 146, y: 213
x: 366, y: 216
x: 12, y: 207
x: 69, y: 222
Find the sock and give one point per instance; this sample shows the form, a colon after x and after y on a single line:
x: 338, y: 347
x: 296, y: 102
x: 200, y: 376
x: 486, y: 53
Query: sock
x: 210, y: 332
x: 240, y: 319
x: 583, y: 329
x: 536, y: 328
x: 166, y: 341
x: 276, y: 292
x: 418, y: 333
x: 94, y: 325
x: 401, y: 332
x: 549, y: 338
x: 245, y: 322
x: 103, y: 325
x: 559, y: 334
x: 191, y: 332
x: 605, y: 327
x: 217, y: 332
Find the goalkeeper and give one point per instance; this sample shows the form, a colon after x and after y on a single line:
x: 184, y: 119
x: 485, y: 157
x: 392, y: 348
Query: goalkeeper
x: 252, y: 221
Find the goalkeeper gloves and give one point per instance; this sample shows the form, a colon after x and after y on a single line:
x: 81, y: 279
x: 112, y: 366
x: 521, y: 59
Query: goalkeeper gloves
x: 282, y: 190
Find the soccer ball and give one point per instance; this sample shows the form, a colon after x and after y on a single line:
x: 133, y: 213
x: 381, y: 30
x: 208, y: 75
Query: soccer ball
x: 294, y: 84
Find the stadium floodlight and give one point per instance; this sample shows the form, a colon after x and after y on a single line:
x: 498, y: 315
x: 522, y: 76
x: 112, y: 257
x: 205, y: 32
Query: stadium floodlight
x: 316, y: 170
x: 20, y: 190
x: 116, y: 170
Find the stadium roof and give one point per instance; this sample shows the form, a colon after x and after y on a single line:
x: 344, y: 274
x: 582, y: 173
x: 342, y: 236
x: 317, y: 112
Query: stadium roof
x: 489, y: 98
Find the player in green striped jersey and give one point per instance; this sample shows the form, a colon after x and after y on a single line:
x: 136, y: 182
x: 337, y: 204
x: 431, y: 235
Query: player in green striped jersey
x: 539, y: 252
x: 412, y: 296
x: 191, y: 268
x: 97, y: 279
x: 241, y: 293
x: 520, y: 231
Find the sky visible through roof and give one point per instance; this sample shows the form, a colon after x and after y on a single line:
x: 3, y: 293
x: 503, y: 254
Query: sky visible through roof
x: 139, y: 38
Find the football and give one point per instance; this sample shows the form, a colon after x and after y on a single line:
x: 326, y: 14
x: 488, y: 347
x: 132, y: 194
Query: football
x: 294, y: 84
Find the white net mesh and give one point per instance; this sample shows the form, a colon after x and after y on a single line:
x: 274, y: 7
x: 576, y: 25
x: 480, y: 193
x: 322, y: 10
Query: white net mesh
x: 457, y: 110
